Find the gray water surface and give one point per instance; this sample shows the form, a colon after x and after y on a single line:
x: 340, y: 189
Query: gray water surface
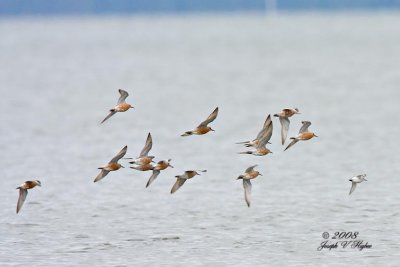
x: 59, y: 77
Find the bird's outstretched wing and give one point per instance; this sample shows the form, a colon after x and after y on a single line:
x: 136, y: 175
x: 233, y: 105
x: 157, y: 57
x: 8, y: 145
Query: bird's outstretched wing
x: 147, y: 146
x: 291, y: 144
x: 152, y: 177
x: 112, y: 112
x: 210, y: 118
x: 101, y: 175
x: 267, y: 122
x: 21, y: 199
x: 179, y: 182
x: 119, y: 155
x: 353, y: 187
x: 305, y: 126
x: 124, y: 94
x: 247, y: 191
x: 250, y: 169
x: 285, y: 128
x: 266, y: 136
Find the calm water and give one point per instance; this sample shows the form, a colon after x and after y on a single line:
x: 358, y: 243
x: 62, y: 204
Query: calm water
x: 59, y: 77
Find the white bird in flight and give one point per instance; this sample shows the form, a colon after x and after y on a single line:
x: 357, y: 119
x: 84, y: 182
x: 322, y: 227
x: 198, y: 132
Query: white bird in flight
x: 356, y: 180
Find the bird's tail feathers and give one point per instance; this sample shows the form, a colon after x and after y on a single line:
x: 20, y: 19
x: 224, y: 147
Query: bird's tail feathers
x: 240, y: 143
x: 187, y: 133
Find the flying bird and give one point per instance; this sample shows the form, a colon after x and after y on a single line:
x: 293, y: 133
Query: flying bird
x: 23, y: 191
x: 303, y: 135
x: 356, y: 180
x: 284, y: 116
x: 161, y: 165
x: 260, y: 148
x: 181, y: 179
x: 249, y: 174
x: 203, y: 127
x: 256, y: 140
x: 121, y: 106
x: 113, y: 165
x: 144, y: 158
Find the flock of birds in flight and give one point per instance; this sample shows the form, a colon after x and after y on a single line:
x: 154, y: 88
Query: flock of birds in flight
x: 144, y: 162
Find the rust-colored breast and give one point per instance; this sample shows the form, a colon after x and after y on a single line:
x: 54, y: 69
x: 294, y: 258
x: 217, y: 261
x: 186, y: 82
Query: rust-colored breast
x: 147, y: 167
x: 288, y: 112
x: 306, y: 136
x: 29, y: 185
x: 113, y: 166
x: 202, y: 130
x: 190, y: 174
x: 263, y: 151
x: 122, y: 107
x: 162, y: 165
x: 253, y: 174
x: 145, y: 160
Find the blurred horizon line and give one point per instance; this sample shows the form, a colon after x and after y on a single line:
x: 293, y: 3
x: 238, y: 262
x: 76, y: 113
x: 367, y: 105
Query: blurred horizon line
x: 110, y: 7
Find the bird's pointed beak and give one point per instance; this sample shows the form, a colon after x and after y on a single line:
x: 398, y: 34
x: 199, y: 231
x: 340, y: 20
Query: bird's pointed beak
x: 122, y: 166
x: 171, y: 166
x: 365, y: 179
x: 315, y: 135
x: 260, y: 174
